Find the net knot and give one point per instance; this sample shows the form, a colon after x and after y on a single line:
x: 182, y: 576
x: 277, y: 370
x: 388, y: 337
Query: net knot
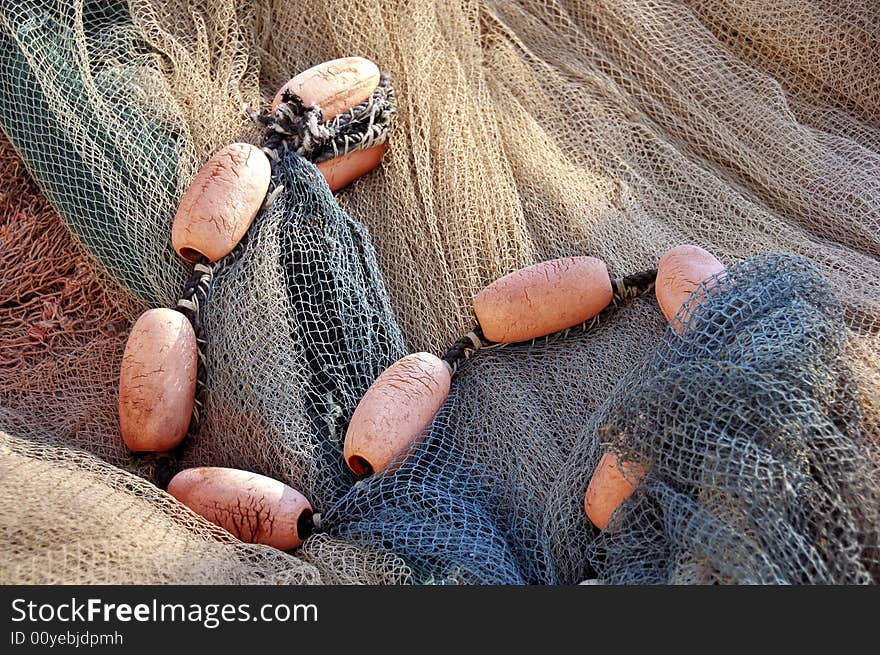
x: 294, y: 126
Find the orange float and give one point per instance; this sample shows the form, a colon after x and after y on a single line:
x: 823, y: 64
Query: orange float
x: 679, y: 273
x: 221, y: 203
x: 335, y: 86
x: 252, y: 507
x: 341, y: 171
x: 609, y: 487
x: 157, y: 382
x: 394, y: 411
x: 544, y: 298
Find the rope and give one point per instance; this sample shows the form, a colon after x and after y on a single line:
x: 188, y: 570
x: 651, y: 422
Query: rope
x: 192, y: 300
x: 293, y: 126
x: 464, y: 348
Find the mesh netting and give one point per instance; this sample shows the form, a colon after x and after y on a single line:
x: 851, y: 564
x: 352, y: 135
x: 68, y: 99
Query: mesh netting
x: 87, y: 509
x: 298, y: 326
x: 748, y: 420
x: 525, y: 131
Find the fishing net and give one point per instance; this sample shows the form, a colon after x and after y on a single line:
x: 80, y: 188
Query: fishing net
x: 524, y: 131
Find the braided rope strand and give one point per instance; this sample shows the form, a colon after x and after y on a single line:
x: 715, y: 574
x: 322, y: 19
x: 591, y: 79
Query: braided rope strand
x: 294, y: 126
x: 192, y: 300
x: 191, y: 303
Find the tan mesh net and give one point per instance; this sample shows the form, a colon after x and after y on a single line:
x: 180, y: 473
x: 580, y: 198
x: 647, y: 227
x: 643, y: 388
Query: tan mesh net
x: 525, y: 131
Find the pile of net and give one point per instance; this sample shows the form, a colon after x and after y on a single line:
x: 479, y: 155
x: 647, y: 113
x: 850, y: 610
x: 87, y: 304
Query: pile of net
x: 525, y: 131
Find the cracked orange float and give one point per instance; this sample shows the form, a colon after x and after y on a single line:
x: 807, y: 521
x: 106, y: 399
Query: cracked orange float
x: 252, y: 507
x: 221, y: 203
x: 397, y: 407
x: 335, y: 86
x: 157, y: 381
x: 542, y: 299
x: 680, y: 272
